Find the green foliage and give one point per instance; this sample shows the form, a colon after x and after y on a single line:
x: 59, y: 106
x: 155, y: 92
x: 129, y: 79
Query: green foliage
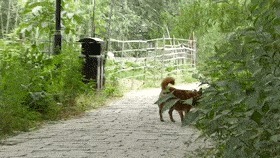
x: 240, y: 108
x: 129, y: 19
x: 13, y: 116
x: 210, y: 21
x: 38, y: 20
x: 239, y: 39
x: 141, y: 19
x: 9, y: 16
x: 36, y: 86
x: 169, y: 100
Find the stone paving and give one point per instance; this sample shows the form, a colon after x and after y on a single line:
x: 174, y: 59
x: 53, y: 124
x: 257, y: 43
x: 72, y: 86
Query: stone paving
x: 129, y: 127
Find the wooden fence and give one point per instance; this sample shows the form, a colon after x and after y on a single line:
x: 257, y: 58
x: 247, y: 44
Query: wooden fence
x: 141, y: 60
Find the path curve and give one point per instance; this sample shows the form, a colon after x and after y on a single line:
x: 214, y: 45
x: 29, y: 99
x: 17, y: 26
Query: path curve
x: 128, y: 127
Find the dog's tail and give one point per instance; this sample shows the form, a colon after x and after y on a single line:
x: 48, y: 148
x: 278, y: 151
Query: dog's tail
x: 166, y: 81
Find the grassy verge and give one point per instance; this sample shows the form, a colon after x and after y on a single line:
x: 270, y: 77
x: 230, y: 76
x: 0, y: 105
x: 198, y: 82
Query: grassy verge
x: 36, y: 87
x: 15, y: 121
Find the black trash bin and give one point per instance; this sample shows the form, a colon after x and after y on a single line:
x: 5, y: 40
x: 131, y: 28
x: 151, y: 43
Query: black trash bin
x: 93, y: 66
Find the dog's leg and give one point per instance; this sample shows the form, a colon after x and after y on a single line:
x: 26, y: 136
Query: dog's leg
x: 181, y: 115
x: 170, y: 114
x: 160, y: 113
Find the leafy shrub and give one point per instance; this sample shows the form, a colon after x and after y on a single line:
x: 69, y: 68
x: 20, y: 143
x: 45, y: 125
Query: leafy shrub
x: 36, y: 86
x: 240, y: 109
x: 13, y: 77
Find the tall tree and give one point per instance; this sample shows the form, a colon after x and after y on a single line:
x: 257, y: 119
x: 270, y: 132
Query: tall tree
x: 8, y: 16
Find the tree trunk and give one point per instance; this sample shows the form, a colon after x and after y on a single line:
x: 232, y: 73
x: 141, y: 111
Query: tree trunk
x: 2, y: 26
x: 17, y: 16
x: 8, y: 17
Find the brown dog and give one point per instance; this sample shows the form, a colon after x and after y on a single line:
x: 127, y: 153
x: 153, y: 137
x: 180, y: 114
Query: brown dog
x: 179, y: 106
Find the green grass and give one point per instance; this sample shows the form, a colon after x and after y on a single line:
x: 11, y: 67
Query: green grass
x: 139, y: 75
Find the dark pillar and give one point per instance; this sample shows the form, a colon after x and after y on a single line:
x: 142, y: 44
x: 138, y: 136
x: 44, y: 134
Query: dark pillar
x: 57, y: 35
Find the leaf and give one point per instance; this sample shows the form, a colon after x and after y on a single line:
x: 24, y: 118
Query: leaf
x: 265, y: 107
x: 188, y: 101
x: 275, y: 138
x: 70, y: 15
x: 191, y: 117
x: 67, y: 30
x: 45, y: 24
x: 164, y: 98
x: 36, y: 10
x: 78, y: 19
x: 238, y: 101
x: 256, y: 116
x: 169, y: 103
x: 222, y: 114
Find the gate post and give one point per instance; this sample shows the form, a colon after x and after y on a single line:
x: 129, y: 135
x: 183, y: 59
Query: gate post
x: 192, y: 44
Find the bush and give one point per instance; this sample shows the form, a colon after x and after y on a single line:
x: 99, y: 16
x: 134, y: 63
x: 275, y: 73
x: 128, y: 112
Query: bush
x: 36, y: 86
x: 240, y: 109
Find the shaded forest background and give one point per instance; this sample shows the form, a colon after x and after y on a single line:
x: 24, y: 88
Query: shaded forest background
x: 239, y: 60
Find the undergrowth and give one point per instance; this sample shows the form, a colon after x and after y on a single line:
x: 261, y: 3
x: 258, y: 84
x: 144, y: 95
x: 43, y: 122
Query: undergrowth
x: 35, y: 86
x: 240, y: 108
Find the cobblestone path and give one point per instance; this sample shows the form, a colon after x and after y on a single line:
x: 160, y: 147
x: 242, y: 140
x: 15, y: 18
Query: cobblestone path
x: 129, y: 127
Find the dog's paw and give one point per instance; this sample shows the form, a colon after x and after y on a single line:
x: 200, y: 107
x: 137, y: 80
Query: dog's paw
x: 162, y: 120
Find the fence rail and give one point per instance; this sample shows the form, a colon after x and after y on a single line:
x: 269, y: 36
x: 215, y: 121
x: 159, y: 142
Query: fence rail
x: 150, y: 59
x: 136, y: 61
